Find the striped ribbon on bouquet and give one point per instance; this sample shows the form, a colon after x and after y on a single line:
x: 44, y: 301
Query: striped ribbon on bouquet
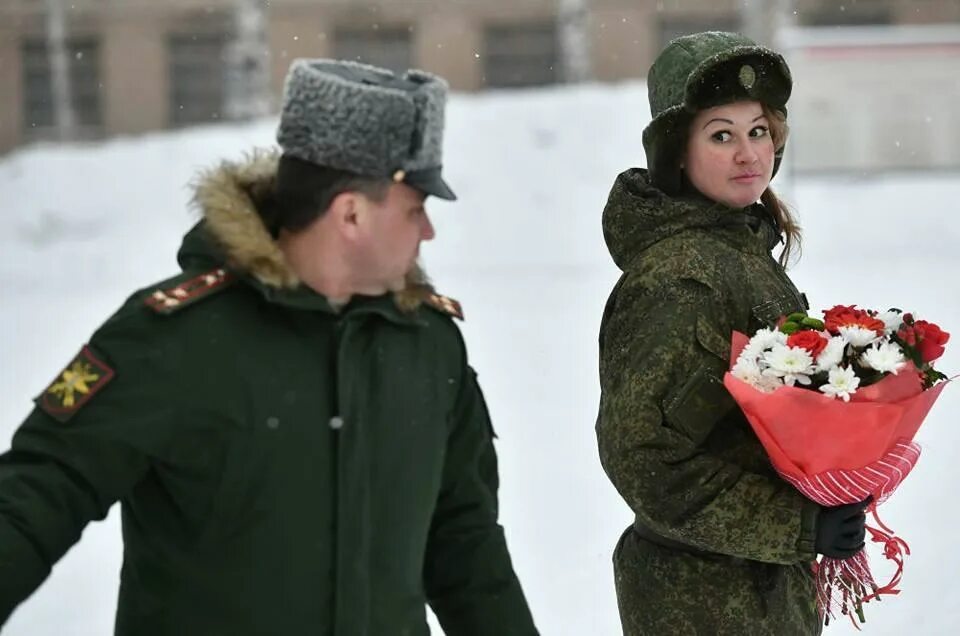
x: 844, y: 585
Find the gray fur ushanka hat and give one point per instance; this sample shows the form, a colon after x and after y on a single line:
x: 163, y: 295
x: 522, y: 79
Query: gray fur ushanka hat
x: 366, y: 120
x: 699, y: 71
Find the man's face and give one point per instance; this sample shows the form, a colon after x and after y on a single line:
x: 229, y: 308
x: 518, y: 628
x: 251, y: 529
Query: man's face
x: 389, y: 242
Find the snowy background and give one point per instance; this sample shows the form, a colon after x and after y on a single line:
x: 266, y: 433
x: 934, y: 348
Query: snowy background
x: 523, y: 251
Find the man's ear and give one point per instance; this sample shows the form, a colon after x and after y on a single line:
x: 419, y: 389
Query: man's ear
x: 347, y: 211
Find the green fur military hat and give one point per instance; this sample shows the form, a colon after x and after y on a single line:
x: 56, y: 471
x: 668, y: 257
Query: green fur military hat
x: 700, y: 71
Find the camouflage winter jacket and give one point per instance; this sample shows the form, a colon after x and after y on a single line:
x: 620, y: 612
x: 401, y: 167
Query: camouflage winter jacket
x: 720, y: 543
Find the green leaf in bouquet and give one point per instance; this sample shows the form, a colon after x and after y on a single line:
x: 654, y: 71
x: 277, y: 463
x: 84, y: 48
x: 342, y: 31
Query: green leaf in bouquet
x: 789, y: 327
x: 868, y: 376
x: 911, y: 353
x: 796, y: 317
x: 812, y: 323
x: 931, y: 376
x: 818, y: 379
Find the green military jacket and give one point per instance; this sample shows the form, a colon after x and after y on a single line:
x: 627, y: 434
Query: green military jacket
x: 720, y: 545
x: 282, y: 468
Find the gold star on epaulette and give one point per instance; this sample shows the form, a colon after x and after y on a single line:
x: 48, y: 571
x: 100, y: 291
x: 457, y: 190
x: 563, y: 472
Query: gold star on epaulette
x: 445, y: 304
x: 168, y: 301
x: 75, y: 386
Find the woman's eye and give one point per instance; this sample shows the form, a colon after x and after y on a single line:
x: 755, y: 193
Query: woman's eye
x: 759, y: 131
x: 721, y: 136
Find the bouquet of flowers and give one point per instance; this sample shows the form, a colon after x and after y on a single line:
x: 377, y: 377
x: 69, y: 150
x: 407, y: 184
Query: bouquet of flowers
x: 836, y: 404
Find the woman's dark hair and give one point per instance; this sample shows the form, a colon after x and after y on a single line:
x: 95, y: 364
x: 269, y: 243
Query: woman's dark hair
x: 777, y: 208
x: 303, y: 191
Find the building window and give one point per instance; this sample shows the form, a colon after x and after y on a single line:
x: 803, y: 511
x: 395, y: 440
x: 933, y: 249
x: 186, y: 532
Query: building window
x: 386, y: 47
x: 836, y: 17
x: 671, y: 28
x: 83, y: 57
x: 862, y: 12
x: 521, y: 55
x: 197, y: 77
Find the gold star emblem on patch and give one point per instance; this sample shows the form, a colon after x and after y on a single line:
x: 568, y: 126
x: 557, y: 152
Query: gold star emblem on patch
x: 75, y: 380
x: 75, y: 386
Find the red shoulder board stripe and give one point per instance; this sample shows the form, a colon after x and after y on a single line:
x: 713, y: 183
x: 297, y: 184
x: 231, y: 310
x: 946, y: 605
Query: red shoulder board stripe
x: 168, y: 301
x: 75, y: 386
x: 446, y: 304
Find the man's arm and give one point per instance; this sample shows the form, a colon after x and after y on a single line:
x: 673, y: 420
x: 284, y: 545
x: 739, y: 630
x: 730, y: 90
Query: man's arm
x: 81, y: 449
x: 49, y: 491
x: 468, y: 575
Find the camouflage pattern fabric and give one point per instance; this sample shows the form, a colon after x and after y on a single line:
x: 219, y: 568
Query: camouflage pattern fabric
x: 720, y: 544
x: 686, y: 62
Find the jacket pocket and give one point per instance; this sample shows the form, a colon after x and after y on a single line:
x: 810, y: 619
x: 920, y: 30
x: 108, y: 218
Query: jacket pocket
x: 700, y: 403
x: 703, y: 400
x: 714, y: 341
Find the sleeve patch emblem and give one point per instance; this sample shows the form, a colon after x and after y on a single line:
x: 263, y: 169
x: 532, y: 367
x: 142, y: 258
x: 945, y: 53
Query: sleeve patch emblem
x: 75, y: 386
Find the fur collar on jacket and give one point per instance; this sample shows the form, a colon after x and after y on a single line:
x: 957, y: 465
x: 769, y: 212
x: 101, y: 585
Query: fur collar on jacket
x: 227, y: 197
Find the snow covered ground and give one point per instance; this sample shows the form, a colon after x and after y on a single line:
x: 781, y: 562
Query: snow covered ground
x: 523, y: 251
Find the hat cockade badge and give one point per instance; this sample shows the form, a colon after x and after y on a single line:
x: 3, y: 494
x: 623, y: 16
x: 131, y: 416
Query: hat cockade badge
x: 748, y: 76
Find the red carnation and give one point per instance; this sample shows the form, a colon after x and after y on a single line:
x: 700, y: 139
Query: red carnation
x: 930, y: 340
x: 908, y: 336
x: 850, y: 316
x: 831, y: 314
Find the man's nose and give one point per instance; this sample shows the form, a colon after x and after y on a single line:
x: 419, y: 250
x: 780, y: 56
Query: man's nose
x: 426, y: 229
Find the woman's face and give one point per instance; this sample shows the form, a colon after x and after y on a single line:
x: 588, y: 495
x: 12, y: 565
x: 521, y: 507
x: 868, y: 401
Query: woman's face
x: 729, y: 155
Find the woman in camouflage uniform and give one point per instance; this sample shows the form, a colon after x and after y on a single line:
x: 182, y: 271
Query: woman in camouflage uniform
x: 720, y: 544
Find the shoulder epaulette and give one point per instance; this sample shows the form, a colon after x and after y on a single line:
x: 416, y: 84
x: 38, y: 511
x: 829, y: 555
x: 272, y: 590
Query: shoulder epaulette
x: 172, y: 299
x: 446, y: 305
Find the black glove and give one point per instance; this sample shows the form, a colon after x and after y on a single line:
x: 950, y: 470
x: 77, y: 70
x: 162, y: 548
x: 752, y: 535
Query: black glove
x: 841, y: 530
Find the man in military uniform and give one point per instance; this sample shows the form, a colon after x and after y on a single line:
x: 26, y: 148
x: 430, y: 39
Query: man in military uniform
x: 291, y: 425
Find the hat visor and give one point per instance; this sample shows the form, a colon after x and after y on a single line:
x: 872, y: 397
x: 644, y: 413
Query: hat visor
x: 430, y: 181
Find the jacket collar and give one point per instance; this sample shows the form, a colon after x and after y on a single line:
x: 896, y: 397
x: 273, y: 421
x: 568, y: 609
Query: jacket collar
x: 231, y: 232
x: 639, y: 215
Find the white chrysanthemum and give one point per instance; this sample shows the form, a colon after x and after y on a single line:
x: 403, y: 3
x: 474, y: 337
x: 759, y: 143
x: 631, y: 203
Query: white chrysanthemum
x: 832, y: 354
x: 766, y: 338
x: 858, y: 336
x: 750, y: 353
x: 842, y: 383
x: 886, y: 357
x: 748, y: 370
x: 762, y: 341
x: 770, y: 383
x: 748, y: 356
x: 751, y: 373
x: 891, y: 321
x: 792, y: 364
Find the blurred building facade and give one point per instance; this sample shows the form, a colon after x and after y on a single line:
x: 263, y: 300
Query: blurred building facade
x: 143, y: 65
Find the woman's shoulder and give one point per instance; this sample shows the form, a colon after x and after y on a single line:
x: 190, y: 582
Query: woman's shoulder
x: 689, y: 255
